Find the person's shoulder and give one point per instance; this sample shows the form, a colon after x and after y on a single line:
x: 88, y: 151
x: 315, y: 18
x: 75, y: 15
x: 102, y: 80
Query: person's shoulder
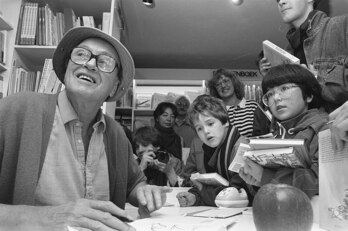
x: 27, y: 99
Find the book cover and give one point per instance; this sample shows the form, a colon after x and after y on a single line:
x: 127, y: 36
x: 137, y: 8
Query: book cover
x: 275, y: 158
x: 209, y: 178
x: 270, y: 143
x: 333, y: 185
x: 143, y: 100
x: 238, y: 160
x: 277, y: 55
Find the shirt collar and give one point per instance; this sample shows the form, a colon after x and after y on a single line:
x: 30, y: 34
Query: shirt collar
x: 242, y: 103
x: 69, y: 114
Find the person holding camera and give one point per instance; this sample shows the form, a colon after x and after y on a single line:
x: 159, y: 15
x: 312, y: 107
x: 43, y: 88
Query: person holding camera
x: 159, y: 166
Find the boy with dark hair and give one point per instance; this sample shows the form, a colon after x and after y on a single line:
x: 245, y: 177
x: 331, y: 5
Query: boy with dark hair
x: 293, y: 96
x: 209, y: 118
x: 160, y: 167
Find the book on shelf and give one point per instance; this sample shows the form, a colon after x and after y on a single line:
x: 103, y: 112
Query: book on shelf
x: 209, y: 179
x: 143, y: 100
x: 333, y: 184
x: 106, y: 22
x: 69, y: 19
x: 1, y: 86
x: 277, y: 55
x: 3, y: 46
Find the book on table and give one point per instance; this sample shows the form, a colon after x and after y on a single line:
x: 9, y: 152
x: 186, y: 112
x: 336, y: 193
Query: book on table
x: 275, y: 153
x: 276, y: 55
x: 210, y: 179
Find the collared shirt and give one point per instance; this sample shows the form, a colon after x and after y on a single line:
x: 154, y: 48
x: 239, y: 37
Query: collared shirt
x: 68, y: 173
x: 183, y: 129
x: 242, y: 116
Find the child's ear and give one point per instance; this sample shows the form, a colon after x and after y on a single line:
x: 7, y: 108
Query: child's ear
x: 309, y: 99
x: 227, y: 124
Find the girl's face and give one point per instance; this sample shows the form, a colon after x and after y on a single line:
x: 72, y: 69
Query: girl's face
x: 210, y: 130
x: 167, y: 118
x: 286, y: 101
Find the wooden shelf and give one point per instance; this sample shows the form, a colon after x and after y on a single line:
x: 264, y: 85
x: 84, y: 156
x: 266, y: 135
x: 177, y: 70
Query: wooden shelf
x: 143, y: 112
x: 2, y: 67
x: 36, y: 54
x: 4, y: 25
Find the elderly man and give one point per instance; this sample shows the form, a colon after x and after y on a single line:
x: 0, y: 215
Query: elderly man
x: 62, y: 162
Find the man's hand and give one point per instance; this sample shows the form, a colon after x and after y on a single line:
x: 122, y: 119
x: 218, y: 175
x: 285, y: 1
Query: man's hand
x: 186, y: 199
x: 264, y: 66
x: 151, y: 198
x: 82, y: 214
x: 339, y: 127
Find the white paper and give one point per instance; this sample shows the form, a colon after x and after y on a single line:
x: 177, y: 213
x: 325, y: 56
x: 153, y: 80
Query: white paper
x: 333, y: 185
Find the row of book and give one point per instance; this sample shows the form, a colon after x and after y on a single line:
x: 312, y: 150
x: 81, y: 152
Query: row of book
x: 3, y: 42
x: 44, y: 81
x: 39, y: 25
x: 253, y: 92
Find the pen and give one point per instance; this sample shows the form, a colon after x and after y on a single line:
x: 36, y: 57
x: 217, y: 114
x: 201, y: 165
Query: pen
x: 330, y: 122
x: 124, y: 219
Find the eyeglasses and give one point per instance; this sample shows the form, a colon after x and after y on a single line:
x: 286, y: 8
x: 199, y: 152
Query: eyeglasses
x: 104, y: 62
x: 284, y: 91
x: 222, y: 81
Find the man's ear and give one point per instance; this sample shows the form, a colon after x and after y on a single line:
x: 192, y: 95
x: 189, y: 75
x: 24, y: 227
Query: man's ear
x: 309, y: 99
x: 113, y: 90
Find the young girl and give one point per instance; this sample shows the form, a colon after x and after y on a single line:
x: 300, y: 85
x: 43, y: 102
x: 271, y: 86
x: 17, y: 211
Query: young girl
x: 209, y: 118
x: 293, y: 96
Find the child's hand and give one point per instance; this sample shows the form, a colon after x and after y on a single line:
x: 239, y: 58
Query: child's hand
x: 186, y: 199
x: 251, y: 173
x: 146, y: 159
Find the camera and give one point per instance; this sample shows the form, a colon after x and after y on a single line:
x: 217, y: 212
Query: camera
x: 162, y: 156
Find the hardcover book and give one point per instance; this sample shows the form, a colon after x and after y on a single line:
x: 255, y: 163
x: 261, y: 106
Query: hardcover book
x: 209, y: 178
x: 277, y: 55
x: 270, y: 143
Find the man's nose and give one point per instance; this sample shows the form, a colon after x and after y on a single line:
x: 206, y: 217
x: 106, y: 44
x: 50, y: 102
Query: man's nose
x: 91, y: 64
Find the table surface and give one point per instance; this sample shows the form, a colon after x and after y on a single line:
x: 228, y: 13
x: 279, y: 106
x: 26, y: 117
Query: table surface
x: 173, y: 214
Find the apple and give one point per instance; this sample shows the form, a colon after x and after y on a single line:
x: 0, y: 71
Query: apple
x: 282, y: 207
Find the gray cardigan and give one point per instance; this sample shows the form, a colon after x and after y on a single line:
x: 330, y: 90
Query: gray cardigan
x: 26, y: 121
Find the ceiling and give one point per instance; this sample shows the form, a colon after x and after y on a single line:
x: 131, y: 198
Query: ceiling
x: 203, y: 34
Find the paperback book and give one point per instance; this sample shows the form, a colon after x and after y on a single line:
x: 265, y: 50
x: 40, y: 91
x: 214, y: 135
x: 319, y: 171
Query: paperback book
x: 210, y: 179
x: 277, y: 55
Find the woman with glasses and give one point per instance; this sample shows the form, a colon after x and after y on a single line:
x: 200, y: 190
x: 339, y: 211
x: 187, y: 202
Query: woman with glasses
x: 226, y: 86
x: 293, y: 95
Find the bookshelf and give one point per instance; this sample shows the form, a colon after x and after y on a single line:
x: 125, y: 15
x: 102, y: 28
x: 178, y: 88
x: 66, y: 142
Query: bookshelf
x: 31, y: 55
x: 133, y: 113
x: 5, y: 28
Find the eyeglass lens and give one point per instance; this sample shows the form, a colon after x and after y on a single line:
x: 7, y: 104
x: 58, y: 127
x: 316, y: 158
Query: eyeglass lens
x: 104, y: 62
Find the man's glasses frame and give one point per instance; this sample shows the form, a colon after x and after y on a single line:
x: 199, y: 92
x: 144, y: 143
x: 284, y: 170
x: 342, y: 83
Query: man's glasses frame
x: 104, y: 63
x: 284, y: 91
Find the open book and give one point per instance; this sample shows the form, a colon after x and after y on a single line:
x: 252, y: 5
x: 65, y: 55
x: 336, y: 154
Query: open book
x: 209, y: 178
x: 277, y: 55
x: 333, y: 185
